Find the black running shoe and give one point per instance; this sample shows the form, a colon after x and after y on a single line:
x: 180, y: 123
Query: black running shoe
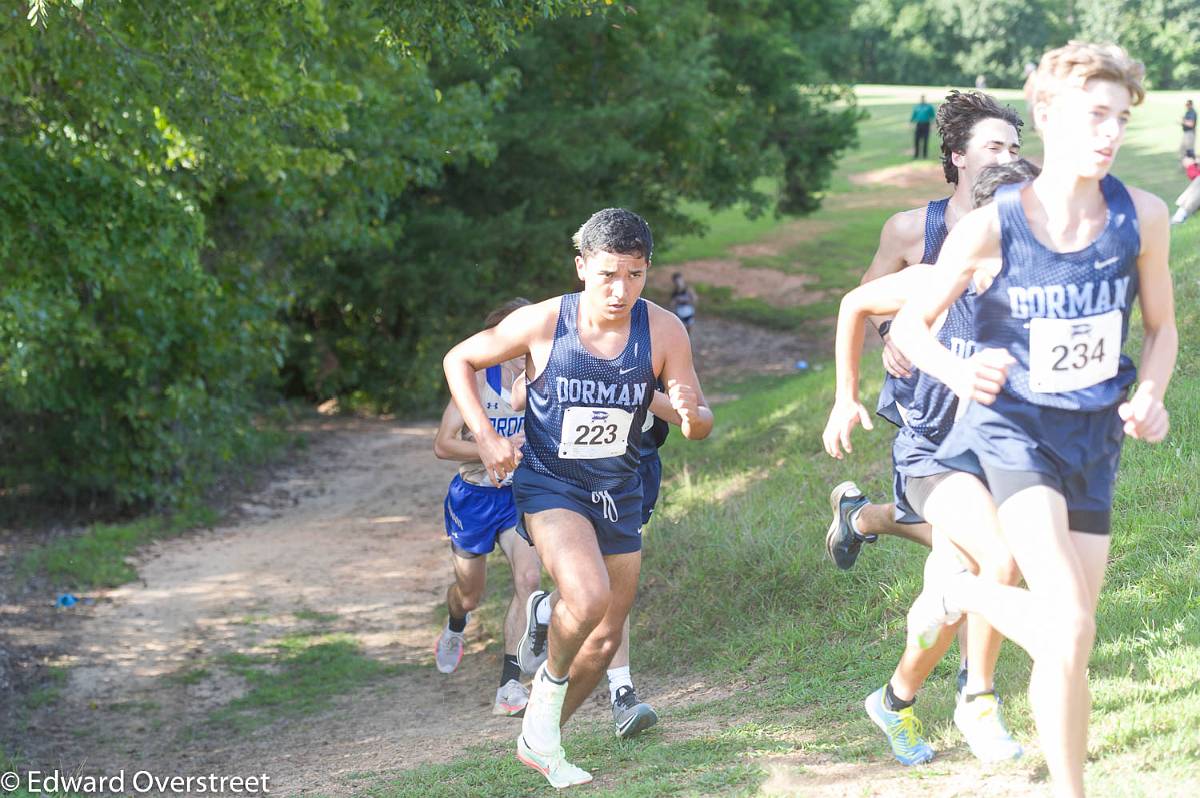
x: 532, y: 650
x: 630, y: 715
x: 842, y: 543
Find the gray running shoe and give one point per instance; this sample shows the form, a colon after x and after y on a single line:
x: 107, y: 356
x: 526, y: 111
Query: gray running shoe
x: 511, y: 699
x: 532, y: 650
x: 842, y: 543
x: 448, y: 650
x: 631, y: 716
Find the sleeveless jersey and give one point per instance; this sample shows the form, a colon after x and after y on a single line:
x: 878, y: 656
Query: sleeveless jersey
x: 495, y: 391
x: 932, y: 410
x: 1063, y: 316
x: 897, y: 392
x: 584, y: 414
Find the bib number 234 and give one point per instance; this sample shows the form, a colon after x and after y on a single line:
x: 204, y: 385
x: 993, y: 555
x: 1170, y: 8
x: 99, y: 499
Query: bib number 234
x: 1072, y: 354
x: 589, y: 433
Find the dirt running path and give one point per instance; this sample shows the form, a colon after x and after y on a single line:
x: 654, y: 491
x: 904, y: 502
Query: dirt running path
x: 352, y: 531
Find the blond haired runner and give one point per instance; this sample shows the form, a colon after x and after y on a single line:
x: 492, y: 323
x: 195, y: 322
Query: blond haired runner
x: 1057, y: 265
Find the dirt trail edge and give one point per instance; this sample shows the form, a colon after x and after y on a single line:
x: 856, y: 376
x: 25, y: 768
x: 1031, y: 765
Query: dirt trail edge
x: 346, y: 540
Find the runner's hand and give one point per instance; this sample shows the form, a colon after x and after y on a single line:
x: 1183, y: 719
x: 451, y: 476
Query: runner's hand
x: 1144, y: 415
x: 981, y: 377
x: 685, y: 402
x: 842, y: 418
x: 499, y: 456
x: 894, y: 360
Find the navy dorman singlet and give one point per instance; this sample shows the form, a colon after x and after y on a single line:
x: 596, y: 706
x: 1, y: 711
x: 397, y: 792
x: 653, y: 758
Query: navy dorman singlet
x: 584, y: 415
x: 1064, y: 316
x: 897, y: 393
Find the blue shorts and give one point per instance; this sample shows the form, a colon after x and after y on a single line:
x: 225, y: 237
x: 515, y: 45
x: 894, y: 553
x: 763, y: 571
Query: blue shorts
x: 616, y: 514
x: 651, y: 473
x: 476, y: 515
x: 1075, y: 452
x: 913, y: 457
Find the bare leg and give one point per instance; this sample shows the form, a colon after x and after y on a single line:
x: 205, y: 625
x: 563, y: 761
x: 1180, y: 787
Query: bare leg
x: 598, y: 650
x: 527, y: 575
x: 470, y: 578
x: 567, y: 542
x: 1054, y: 620
x: 621, y: 658
x: 916, y: 664
x: 880, y: 519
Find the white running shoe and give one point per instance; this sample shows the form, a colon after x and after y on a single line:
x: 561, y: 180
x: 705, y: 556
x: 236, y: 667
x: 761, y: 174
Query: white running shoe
x: 983, y: 728
x: 555, y: 767
x: 542, y: 722
x: 511, y: 699
x: 448, y: 650
x: 930, y: 612
x: 534, y: 647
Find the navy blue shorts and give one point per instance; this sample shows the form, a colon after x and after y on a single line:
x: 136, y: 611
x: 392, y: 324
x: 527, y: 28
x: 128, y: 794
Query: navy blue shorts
x: 912, y: 458
x: 651, y: 473
x: 476, y: 515
x: 616, y: 514
x: 1075, y: 452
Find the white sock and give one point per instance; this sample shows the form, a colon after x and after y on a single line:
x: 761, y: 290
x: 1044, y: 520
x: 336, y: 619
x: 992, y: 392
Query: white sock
x: 1180, y: 216
x: 618, y: 678
x: 542, y: 611
x: 543, y: 714
x: 854, y: 520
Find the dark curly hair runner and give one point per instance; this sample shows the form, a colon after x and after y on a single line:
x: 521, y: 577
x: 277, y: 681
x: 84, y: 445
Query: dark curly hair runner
x: 956, y: 118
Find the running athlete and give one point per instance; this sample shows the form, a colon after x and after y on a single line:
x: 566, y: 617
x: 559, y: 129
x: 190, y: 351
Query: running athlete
x: 921, y: 480
x: 1056, y: 264
x: 976, y: 132
x: 479, y: 516
x: 593, y: 358
x: 631, y: 715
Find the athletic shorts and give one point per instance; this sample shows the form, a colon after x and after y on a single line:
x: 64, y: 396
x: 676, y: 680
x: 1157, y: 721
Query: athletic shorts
x: 1014, y: 444
x: 476, y: 515
x: 913, y: 458
x: 651, y: 473
x: 616, y: 514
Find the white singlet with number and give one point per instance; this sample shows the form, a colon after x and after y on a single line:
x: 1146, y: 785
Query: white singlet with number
x: 589, y: 433
x: 1072, y: 354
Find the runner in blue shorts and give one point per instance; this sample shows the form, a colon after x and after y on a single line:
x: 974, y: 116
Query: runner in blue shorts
x: 479, y: 516
x: 921, y: 479
x: 593, y: 359
x: 1056, y: 265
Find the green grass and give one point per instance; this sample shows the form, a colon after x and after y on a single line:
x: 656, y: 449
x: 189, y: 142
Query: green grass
x: 97, y: 558
x: 736, y: 587
x: 300, y: 675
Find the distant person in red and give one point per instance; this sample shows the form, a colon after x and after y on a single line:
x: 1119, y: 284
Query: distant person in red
x: 1189, y: 200
x: 922, y: 117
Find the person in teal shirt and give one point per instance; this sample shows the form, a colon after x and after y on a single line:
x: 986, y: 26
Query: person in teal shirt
x: 922, y: 114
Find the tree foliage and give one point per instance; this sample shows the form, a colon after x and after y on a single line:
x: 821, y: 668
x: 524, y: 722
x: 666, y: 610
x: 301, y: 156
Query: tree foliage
x: 952, y: 41
x: 206, y: 204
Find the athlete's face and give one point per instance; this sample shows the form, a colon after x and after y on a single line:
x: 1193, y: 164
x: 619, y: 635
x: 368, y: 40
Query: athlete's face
x: 1084, y: 126
x: 993, y: 141
x: 611, y: 282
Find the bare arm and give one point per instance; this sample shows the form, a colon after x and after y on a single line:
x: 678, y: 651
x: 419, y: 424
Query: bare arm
x: 1145, y: 416
x: 447, y: 444
x: 660, y: 406
x: 509, y: 339
x: 900, y: 235
x: 679, y: 375
x: 971, y: 252
x: 885, y: 295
